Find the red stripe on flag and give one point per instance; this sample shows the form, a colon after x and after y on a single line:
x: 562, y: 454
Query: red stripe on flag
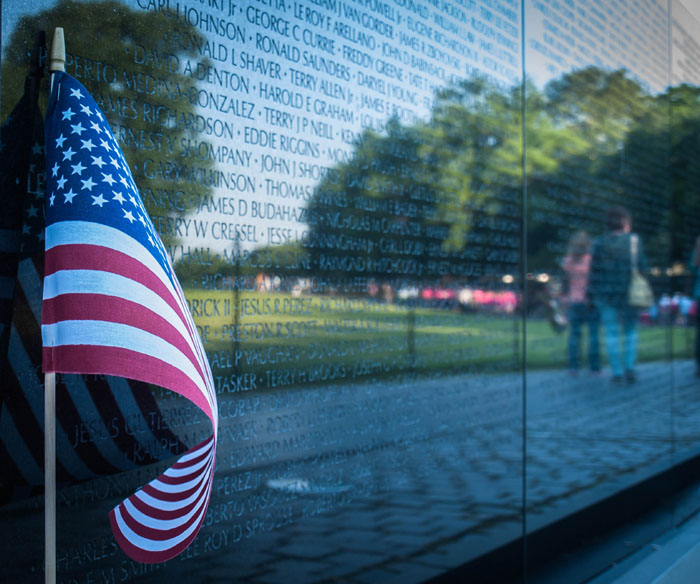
x: 171, y: 497
x: 166, y: 514
x: 98, y: 359
x: 104, y: 259
x: 155, y: 534
x: 147, y: 556
x: 118, y: 310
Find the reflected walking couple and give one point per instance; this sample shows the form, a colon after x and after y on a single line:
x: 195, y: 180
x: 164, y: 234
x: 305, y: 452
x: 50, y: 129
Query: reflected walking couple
x: 602, y: 287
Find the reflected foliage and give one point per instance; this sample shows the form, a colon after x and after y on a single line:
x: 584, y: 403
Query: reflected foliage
x: 447, y: 192
x: 135, y: 66
x: 428, y: 201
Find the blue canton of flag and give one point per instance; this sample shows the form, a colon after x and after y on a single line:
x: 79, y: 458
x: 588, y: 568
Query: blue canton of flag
x: 112, y: 306
x: 88, y: 173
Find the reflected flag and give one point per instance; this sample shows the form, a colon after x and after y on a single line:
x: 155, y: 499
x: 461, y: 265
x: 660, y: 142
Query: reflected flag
x: 104, y: 424
x: 21, y: 149
x: 112, y: 305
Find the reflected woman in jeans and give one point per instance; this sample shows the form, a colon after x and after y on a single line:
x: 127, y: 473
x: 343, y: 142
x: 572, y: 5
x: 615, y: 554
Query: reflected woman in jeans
x: 577, y: 266
x: 611, y: 267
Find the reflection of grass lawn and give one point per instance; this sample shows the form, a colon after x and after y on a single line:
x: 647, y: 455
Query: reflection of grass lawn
x: 314, y: 339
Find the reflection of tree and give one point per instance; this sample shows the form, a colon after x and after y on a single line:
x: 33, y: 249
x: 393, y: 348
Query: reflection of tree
x: 593, y: 138
x: 132, y: 64
x: 367, y: 217
x: 684, y: 168
x: 424, y: 201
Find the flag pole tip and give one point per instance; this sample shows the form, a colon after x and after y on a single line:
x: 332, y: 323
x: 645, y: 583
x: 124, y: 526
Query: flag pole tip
x: 58, y: 51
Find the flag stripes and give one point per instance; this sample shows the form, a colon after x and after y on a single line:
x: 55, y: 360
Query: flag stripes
x: 103, y: 406
x: 105, y: 424
x: 112, y: 305
x: 163, y: 517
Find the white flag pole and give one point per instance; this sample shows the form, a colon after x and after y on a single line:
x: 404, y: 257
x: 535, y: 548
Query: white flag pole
x: 50, y: 477
x: 57, y: 63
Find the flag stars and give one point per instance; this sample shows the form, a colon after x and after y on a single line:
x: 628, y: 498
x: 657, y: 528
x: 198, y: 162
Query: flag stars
x: 118, y: 197
x: 88, y: 183
x: 128, y: 215
x: 76, y: 93
x: 114, y: 162
x: 105, y: 145
x: 77, y: 128
x: 32, y: 211
x: 61, y: 182
x: 98, y: 200
x: 60, y: 140
x: 97, y: 161
x: 70, y: 195
x: 54, y: 169
x: 108, y: 179
x: 78, y: 168
x: 68, y: 114
x: 68, y: 154
x: 95, y: 126
x: 86, y: 110
x: 52, y: 198
x: 37, y: 148
x: 87, y: 145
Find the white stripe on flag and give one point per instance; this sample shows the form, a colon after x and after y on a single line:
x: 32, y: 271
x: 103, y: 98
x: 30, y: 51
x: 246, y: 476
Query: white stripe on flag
x: 110, y: 334
x: 180, y: 487
x: 170, y: 505
x: 199, y: 497
x: 149, y: 544
x: 78, y: 232
x: 108, y: 283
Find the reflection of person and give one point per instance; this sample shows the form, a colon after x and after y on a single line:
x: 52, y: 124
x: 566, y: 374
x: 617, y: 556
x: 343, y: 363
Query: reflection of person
x: 695, y: 269
x: 577, y: 265
x: 611, y: 267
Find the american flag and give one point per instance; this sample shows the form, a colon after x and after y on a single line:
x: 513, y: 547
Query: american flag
x: 112, y: 305
x: 96, y: 415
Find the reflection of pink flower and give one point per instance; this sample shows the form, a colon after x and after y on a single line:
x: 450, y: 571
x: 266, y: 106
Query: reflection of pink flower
x: 506, y: 300
x: 483, y: 296
x: 445, y: 294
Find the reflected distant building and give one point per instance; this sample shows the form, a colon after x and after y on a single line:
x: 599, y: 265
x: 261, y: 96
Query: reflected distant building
x: 563, y: 35
x: 685, y: 46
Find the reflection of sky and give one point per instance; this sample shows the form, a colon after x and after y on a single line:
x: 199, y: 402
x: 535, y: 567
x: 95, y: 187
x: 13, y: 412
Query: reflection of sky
x: 573, y: 35
x: 304, y: 121
x: 693, y: 7
x: 13, y: 10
